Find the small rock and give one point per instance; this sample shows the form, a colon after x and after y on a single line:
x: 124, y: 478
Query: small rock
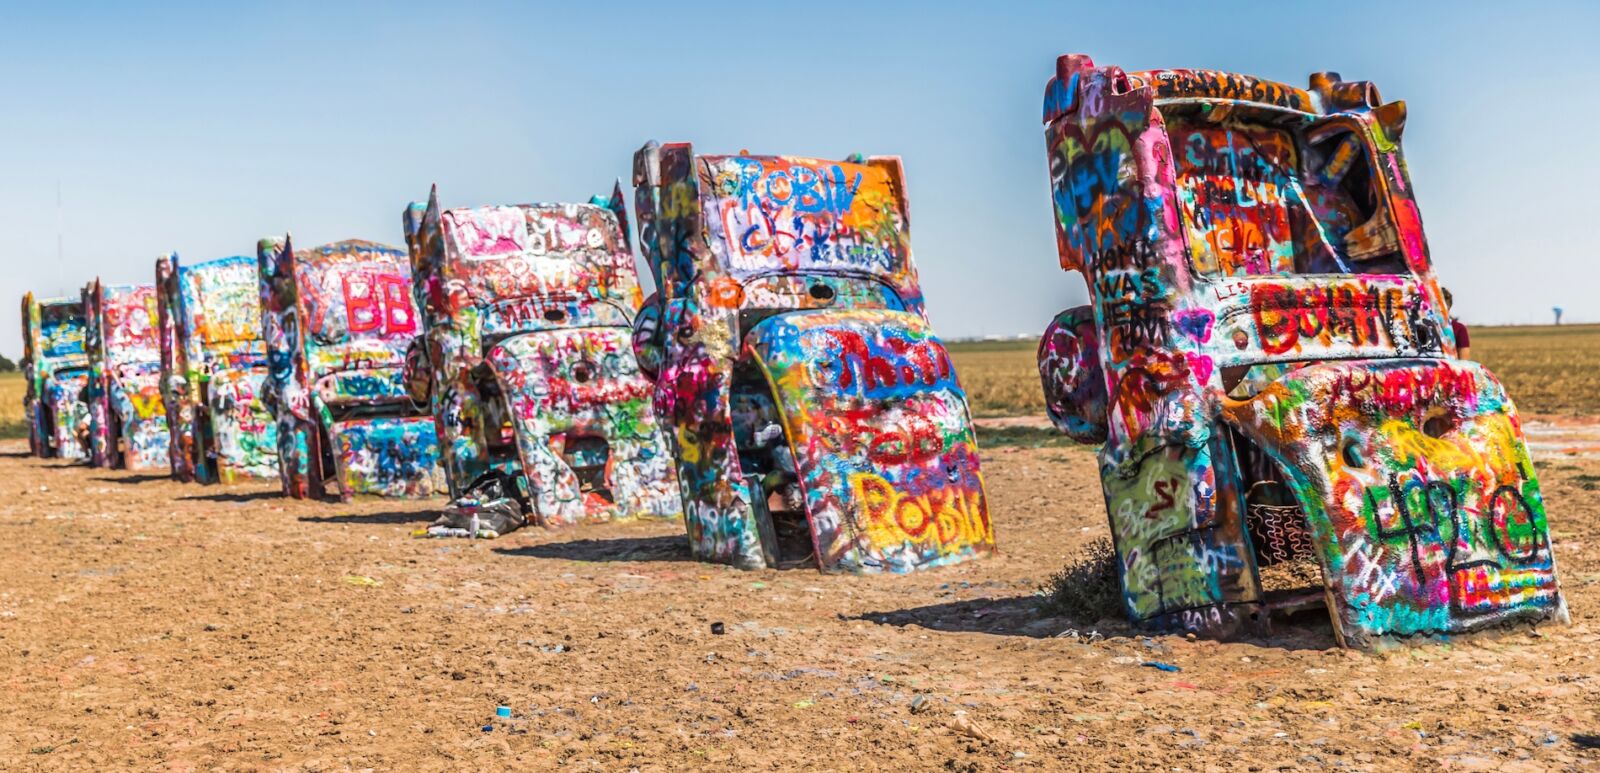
x: 718, y: 629
x: 919, y: 704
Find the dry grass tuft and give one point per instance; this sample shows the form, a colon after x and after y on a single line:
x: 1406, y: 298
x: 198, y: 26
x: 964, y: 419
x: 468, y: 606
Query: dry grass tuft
x: 1088, y: 589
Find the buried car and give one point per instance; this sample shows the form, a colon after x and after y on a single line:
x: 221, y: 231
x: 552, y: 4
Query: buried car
x: 337, y: 320
x: 56, y: 365
x: 1268, y: 361
x: 815, y: 416
x: 127, y: 421
x: 529, y: 361
x: 213, y: 370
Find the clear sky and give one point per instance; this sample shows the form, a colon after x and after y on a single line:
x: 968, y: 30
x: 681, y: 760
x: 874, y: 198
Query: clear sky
x: 200, y: 127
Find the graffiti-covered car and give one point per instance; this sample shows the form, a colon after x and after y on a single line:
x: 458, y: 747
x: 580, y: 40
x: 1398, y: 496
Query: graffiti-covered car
x: 213, y: 370
x: 56, y: 364
x: 127, y: 421
x: 1268, y: 361
x: 529, y: 357
x: 815, y: 416
x: 338, y: 320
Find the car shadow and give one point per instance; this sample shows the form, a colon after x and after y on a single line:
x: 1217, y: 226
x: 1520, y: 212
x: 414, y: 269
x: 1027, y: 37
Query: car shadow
x: 246, y: 496
x: 664, y: 548
x: 1023, y: 616
x: 1013, y: 616
x: 136, y: 478
x: 374, y: 519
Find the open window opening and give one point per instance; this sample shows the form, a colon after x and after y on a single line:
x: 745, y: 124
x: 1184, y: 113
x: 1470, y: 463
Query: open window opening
x: 1292, y: 584
x: 498, y: 434
x: 118, y: 444
x: 47, y: 428
x: 1260, y: 197
x: 326, y: 470
x: 766, y: 460
x: 589, y: 458
x: 1346, y: 199
x: 205, y: 447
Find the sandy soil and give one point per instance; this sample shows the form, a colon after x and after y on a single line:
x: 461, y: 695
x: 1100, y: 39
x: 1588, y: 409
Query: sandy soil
x: 147, y: 624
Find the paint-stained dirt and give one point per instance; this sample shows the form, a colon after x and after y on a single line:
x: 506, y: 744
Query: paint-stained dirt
x: 149, y: 624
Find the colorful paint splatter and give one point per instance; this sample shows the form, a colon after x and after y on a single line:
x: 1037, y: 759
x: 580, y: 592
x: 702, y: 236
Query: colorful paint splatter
x: 338, y: 320
x: 1267, y: 359
x: 528, y: 357
x: 56, y: 366
x: 815, y: 416
x: 127, y: 420
x: 213, y: 370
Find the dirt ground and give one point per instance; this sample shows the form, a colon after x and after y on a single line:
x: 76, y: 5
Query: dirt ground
x: 153, y: 625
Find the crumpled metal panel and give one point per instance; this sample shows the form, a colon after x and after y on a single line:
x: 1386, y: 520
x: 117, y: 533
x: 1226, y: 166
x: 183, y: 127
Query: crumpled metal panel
x: 528, y: 358
x: 127, y: 419
x: 69, y: 413
x: 244, y: 431
x: 1261, y: 295
x: 563, y: 386
x: 882, y: 439
x: 1418, y: 490
x: 387, y: 456
x: 732, y: 241
x: 1069, y: 368
x: 338, y: 320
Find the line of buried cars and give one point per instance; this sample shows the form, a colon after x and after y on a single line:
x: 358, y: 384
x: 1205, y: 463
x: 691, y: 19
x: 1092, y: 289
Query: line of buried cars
x: 1266, y: 364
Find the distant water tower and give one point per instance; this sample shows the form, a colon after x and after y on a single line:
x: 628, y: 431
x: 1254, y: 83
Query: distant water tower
x: 1557, y: 310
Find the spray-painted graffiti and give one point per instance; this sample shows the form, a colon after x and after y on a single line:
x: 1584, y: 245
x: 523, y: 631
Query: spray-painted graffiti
x: 1419, y: 490
x: 127, y: 420
x: 213, y: 368
x: 337, y: 322
x: 530, y: 367
x: 896, y: 486
x: 56, y: 366
x: 1267, y: 361
x: 813, y: 411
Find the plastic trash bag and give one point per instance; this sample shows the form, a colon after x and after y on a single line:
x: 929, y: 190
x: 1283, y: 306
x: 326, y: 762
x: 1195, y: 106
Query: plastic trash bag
x: 491, y: 507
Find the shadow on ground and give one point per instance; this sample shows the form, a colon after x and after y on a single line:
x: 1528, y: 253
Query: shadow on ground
x: 375, y: 519
x: 137, y: 478
x: 664, y: 548
x: 1022, y: 616
x: 1013, y: 616
x: 235, y: 496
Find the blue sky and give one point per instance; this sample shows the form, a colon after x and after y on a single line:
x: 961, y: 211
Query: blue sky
x: 202, y: 127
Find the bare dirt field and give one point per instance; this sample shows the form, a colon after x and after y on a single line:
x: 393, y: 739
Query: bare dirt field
x: 146, y: 624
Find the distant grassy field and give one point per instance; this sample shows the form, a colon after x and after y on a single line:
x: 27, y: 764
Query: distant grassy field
x: 1547, y: 369
x: 12, y: 424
